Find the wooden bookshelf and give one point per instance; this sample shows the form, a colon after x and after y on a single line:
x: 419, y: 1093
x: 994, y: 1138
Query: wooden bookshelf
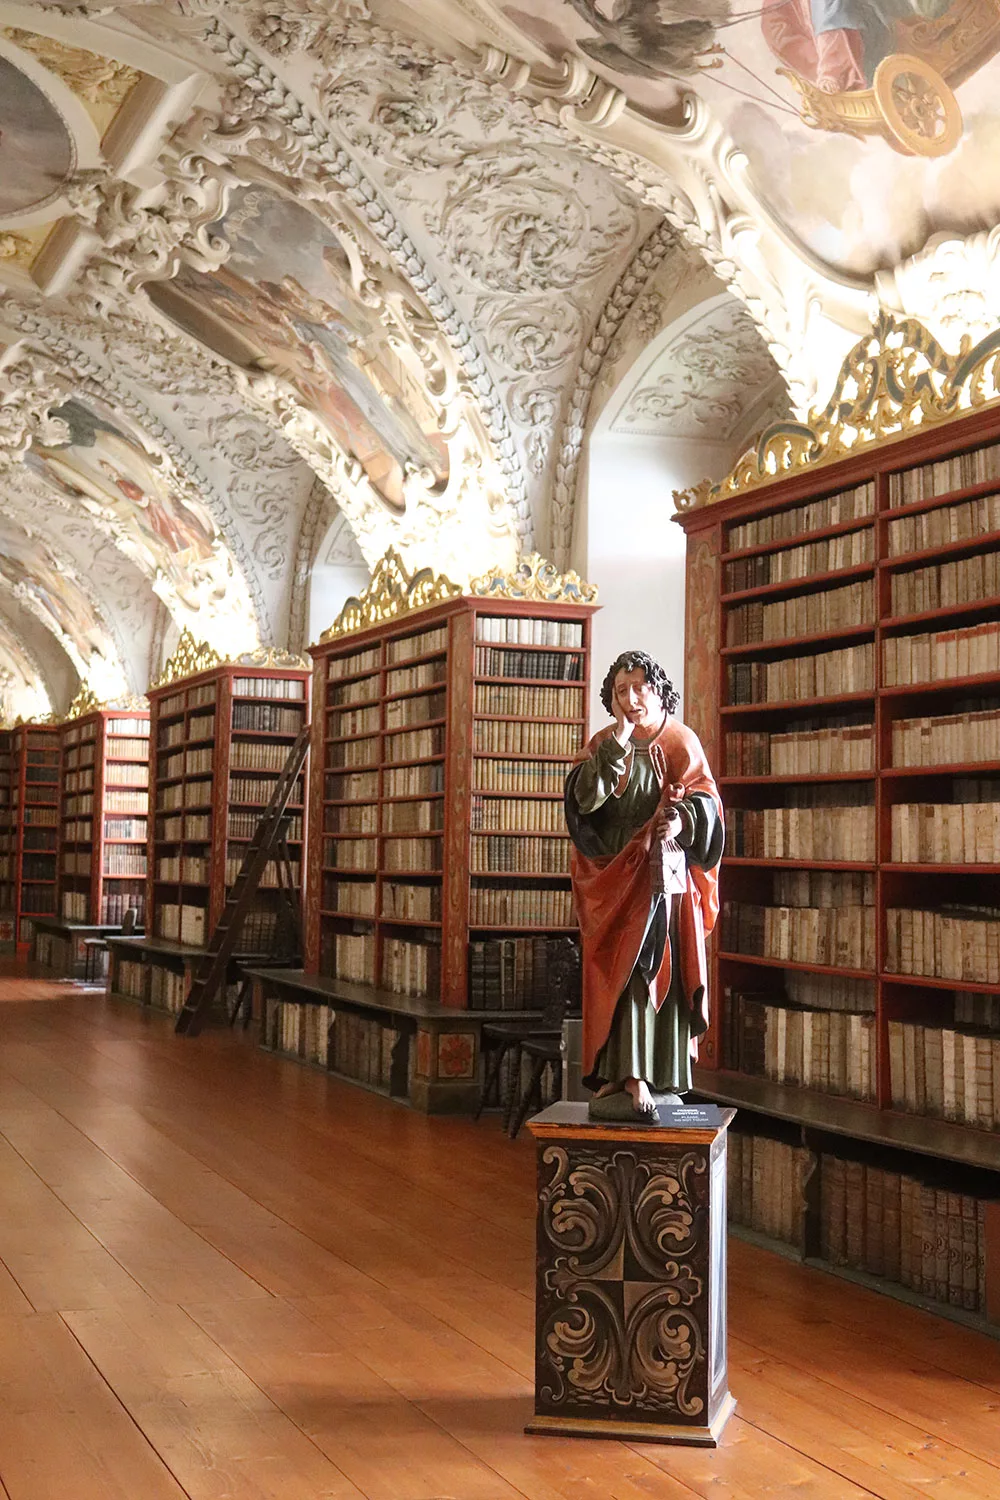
x: 439, y: 865
x: 843, y: 672
x: 220, y: 733
x: 103, y: 824
x: 34, y: 815
x: 8, y: 842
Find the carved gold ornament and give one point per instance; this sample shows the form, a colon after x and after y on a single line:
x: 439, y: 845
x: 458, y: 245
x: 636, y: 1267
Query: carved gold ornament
x: 271, y: 656
x: 535, y: 578
x: 100, y: 82
x: 895, y: 381
x: 392, y: 591
x: 85, y: 702
x: 190, y: 656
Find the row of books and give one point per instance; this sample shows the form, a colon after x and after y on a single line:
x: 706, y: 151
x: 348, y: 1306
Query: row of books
x: 798, y: 989
x: 40, y: 817
x: 76, y: 864
x: 74, y: 909
x: 123, y: 828
x: 254, y: 791
x: 529, y: 702
x: 39, y: 899
x: 959, y: 943
x: 412, y: 817
x: 269, y: 876
x: 259, y: 933
x: 125, y: 773
x: 351, y: 721
x: 520, y: 630
x: 941, y: 655
x: 409, y: 647
x: 517, y: 973
x: 413, y: 781
x: 842, y: 937
x: 951, y: 833
x: 350, y: 854
x: 502, y: 662
x: 420, y: 903
x: 79, y: 781
x: 851, y: 549
x: 38, y: 866
x: 167, y: 991
x: 192, y: 869
x: 411, y: 968
x: 357, y: 818
x: 824, y: 833
x: 267, y: 718
x: 412, y: 744
x: 946, y: 585
x: 506, y: 854
x: 829, y: 1050
x: 765, y: 1186
x: 255, y: 755
x: 816, y: 515
x: 269, y: 687
x: 122, y: 801
x: 354, y: 664
x: 827, y: 674
x: 356, y: 786
x: 424, y: 855
x: 117, y: 901
x: 182, y: 923
x: 353, y: 957
x: 407, y: 679
x: 945, y: 1072
x: 133, y: 728
x: 129, y: 978
x: 241, y: 825
x: 948, y: 739
x: 124, y: 861
x: 176, y: 732
x: 760, y: 620
x: 519, y: 776
x: 939, y: 479
x: 193, y: 697
x: 38, y: 795
x: 352, y: 898
x: 363, y: 689
x: 422, y: 708
x: 82, y: 756
x: 506, y: 814
x: 520, y: 906
x: 357, y: 1046
x: 895, y: 1226
x: 497, y: 736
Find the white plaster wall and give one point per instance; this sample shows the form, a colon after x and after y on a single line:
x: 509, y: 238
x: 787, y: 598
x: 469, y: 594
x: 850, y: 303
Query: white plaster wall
x: 330, y: 587
x: 628, y: 545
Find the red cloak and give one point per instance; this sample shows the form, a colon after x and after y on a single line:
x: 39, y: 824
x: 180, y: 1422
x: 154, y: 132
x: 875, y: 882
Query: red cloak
x: 613, y: 894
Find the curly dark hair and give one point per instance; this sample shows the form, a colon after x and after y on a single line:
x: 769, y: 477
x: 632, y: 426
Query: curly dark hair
x: 658, y: 680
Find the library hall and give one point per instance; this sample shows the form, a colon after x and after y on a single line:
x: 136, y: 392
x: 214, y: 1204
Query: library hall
x: 499, y: 750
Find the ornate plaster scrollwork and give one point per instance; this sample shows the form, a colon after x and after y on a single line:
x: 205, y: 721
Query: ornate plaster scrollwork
x: 29, y: 388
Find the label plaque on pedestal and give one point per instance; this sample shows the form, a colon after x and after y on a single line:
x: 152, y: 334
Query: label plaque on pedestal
x: 630, y: 1293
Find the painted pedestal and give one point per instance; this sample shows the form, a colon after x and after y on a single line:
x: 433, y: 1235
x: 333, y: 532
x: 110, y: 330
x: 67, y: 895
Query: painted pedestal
x: 630, y: 1299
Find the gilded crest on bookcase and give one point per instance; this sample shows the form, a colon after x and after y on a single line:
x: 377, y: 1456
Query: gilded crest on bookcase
x: 392, y: 591
x: 536, y: 579
x: 897, y: 380
x: 190, y: 656
x: 87, y: 702
x: 271, y: 656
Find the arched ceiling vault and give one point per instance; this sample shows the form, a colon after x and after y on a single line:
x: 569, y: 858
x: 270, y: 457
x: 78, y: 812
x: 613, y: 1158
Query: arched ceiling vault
x: 266, y: 263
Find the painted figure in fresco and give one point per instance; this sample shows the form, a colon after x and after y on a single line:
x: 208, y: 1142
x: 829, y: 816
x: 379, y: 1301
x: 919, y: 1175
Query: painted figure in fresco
x: 645, y: 818
x: 838, y: 44
x: 653, y: 38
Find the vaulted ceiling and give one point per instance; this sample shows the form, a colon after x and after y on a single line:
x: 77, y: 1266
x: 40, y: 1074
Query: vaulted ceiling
x: 272, y: 265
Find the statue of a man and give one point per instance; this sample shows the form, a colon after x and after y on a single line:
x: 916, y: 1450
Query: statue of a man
x: 645, y: 818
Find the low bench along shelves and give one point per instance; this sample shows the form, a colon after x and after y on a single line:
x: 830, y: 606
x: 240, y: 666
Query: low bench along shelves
x: 444, y: 724
x: 843, y: 671
x: 220, y: 733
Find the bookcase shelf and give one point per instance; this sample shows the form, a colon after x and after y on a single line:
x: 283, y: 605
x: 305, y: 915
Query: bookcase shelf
x: 446, y: 933
x: 881, y: 1095
x: 29, y: 836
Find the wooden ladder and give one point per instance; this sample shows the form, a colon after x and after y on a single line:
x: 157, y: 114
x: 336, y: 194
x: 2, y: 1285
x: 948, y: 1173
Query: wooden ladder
x: 270, y: 838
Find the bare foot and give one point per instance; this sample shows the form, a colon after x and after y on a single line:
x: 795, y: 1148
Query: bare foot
x: 642, y: 1099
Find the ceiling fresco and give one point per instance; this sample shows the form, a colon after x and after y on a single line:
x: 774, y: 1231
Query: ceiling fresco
x: 866, y: 126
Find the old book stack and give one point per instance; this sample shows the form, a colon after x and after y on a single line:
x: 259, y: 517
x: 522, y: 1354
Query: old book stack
x: 32, y: 833
x: 103, y: 816
x: 843, y: 671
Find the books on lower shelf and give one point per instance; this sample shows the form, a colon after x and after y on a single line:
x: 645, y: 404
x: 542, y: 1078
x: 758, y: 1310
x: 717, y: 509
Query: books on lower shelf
x: 412, y: 966
x: 826, y: 674
x: 820, y: 824
x: 359, y: 1047
x: 940, y: 655
x: 838, y: 932
x: 511, y: 973
x: 520, y: 775
x: 506, y: 853
x: 502, y: 661
x: 906, y: 1230
x: 966, y: 831
x: 354, y: 898
x: 764, y: 1185
x: 947, y: 1072
x: 183, y: 924
x: 946, y: 585
x: 830, y: 1050
x: 956, y: 942
x: 505, y: 814
x: 526, y: 738
x: 949, y: 739
x: 410, y: 903
x: 529, y: 702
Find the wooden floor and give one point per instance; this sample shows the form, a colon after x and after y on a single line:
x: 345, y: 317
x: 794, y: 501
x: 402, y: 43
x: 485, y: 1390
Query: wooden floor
x: 223, y: 1275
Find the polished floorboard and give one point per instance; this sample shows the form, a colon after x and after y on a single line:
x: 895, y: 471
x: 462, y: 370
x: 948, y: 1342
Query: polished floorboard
x: 227, y: 1275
